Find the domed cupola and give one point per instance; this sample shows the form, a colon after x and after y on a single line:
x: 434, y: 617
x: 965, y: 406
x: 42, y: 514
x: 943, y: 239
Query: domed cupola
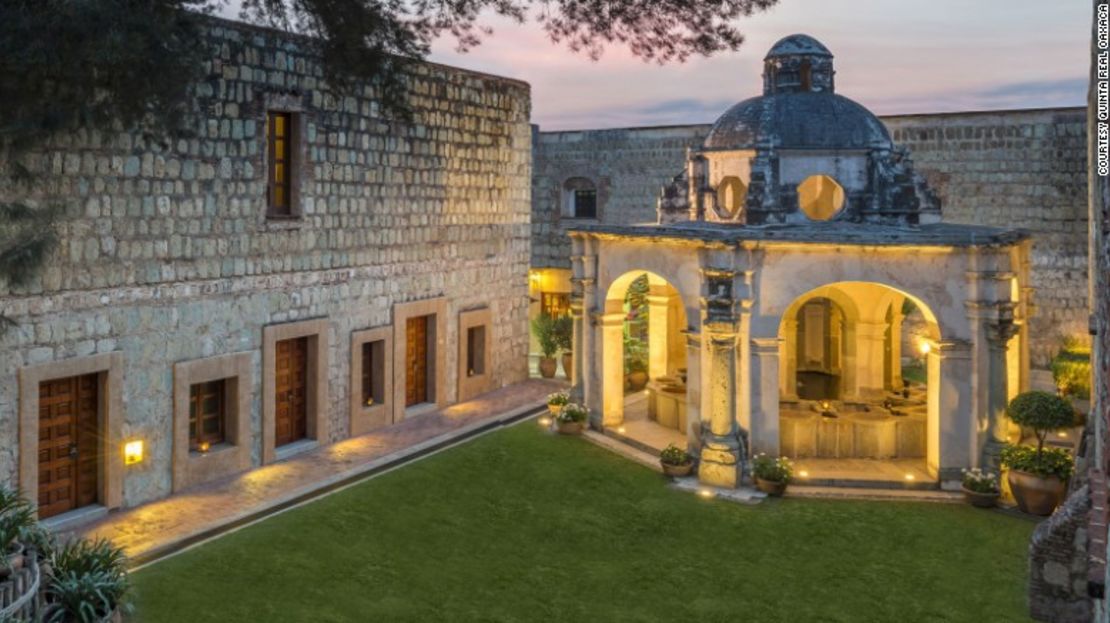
x: 798, y: 64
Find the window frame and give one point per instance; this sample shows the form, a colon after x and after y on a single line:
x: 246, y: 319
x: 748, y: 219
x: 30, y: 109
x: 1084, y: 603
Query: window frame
x: 289, y: 162
x: 197, y: 418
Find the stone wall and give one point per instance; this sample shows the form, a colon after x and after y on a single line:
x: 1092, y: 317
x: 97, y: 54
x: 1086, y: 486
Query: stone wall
x: 1022, y: 169
x: 1058, y: 564
x: 166, y: 254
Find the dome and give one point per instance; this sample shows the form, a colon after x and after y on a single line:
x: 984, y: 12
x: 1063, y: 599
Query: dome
x: 798, y: 121
x: 798, y: 45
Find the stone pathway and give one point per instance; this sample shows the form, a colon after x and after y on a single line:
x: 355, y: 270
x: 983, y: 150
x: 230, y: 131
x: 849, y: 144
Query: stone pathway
x: 158, y: 528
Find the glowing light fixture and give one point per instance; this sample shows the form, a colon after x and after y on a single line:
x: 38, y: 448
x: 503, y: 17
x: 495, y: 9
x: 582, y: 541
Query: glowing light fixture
x: 1063, y: 434
x: 706, y: 493
x: 544, y: 421
x: 924, y: 347
x: 803, y: 474
x: 203, y: 447
x: 133, y: 452
x: 910, y: 477
x: 620, y: 429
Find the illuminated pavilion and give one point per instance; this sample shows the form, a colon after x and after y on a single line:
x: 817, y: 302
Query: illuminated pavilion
x: 797, y: 269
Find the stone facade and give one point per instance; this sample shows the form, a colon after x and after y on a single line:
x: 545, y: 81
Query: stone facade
x: 167, y: 255
x: 1021, y: 169
x: 1058, y: 564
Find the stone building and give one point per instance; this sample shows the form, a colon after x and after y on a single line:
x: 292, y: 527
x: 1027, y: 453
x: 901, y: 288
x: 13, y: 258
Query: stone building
x: 300, y: 271
x: 785, y: 257
x: 1021, y: 168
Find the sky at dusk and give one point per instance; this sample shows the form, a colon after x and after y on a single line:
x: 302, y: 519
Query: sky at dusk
x: 893, y: 56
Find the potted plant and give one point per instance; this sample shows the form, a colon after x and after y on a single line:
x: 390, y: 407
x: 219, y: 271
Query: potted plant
x: 635, y: 364
x: 772, y: 474
x: 17, y: 521
x: 556, y: 402
x: 1071, y: 371
x: 676, y: 461
x: 571, y: 419
x: 564, y: 339
x: 980, y: 488
x: 1038, y: 476
x: 87, y: 582
x: 543, y: 326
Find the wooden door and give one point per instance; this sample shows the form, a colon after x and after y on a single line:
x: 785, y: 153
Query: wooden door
x: 69, y: 453
x: 291, y: 387
x: 416, y: 361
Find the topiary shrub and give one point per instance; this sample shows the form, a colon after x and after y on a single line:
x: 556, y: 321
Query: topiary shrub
x: 1043, y: 412
x: 543, y: 327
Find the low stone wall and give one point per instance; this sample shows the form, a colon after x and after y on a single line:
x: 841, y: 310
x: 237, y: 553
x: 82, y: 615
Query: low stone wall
x: 1023, y: 168
x: 1058, y: 563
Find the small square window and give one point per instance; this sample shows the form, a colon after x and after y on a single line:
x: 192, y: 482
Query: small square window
x: 585, y: 204
x: 373, y: 373
x: 476, y: 351
x: 207, y: 414
x: 555, y: 304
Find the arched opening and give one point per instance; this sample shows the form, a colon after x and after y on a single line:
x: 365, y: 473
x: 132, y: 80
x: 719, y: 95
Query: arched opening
x: 731, y: 195
x: 820, y: 198
x: 579, y: 198
x: 858, y: 390
x: 644, y: 364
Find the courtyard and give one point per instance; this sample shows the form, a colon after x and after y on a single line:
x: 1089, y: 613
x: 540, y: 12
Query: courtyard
x: 520, y: 525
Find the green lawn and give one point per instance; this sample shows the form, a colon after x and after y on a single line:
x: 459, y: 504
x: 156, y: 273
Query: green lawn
x: 521, y: 526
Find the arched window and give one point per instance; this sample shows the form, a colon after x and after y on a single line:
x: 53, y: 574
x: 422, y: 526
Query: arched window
x: 731, y: 195
x: 579, y: 198
x: 820, y: 197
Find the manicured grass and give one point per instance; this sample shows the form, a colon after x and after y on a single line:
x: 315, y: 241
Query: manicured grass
x: 522, y: 526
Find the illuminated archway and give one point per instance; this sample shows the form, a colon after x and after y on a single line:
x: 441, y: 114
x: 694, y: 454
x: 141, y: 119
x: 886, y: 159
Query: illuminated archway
x: 866, y: 409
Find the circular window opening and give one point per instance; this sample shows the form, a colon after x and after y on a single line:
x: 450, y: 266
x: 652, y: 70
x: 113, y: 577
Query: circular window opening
x: 820, y: 197
x: 731, y: 194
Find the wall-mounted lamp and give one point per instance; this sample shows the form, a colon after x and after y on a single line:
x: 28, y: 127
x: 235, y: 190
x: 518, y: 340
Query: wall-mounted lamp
x: 133, y: 452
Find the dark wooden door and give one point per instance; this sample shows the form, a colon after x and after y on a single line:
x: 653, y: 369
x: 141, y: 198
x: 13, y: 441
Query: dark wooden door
x: 291, y: 387
x: 69, y: 455
x: 416, y: 361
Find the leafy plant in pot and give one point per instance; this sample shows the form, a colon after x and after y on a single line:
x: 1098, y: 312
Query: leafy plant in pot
x: 556, y: 402
x: 17, y: 522
x: 572, y: 419
x: 543, y: 327
x: 564, y: 339
x: 980, y: 488
x: 635, y: 363
x: 1038, y: 476
x: 772, y: 474
x: 676, y: 461
x: 87, y: 582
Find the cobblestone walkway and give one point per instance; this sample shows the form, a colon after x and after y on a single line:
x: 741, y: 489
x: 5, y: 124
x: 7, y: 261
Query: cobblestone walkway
x: 160, y: 526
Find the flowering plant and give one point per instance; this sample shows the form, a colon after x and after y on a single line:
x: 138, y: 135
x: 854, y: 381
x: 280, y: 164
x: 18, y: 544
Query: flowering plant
x: 772, y: 469
x: 673, y: 455
x: 558, y: 399
x: 572, y: 412
x: 979, y: 481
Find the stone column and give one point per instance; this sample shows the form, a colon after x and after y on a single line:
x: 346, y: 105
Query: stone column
x: 896, y: 381
x: 720, y: 452
x: 693, y: 391
x: 658, y: 342
x: 612, y: 368
x: 870, y: 358
x: 577, y: 313
x: 788, y: 382
x: 764, y: 433
x: 951, y: 425
x: 998, y: 341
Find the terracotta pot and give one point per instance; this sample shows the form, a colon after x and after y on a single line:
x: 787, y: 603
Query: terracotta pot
x: 637, y: 381
x: 548, y: 366
x: 677, y: 471
x: 568, y: 361
x: 1034, y: 494
x: 570, y: 428
x: 770, y: 487
x: 980, y: 500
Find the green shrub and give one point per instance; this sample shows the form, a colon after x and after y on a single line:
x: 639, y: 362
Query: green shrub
x: 564, y: 333
x: 558, y: 399
x: 543, y: 327
x: 17, y: 519
x: 635, y: 355
x: 1043, y: 462
x: 673, y: 455
x: 772, y: 469
x: 1041, y: 411
x: 1071, y: 370
x: 88, y: 580
x: 979, y: 481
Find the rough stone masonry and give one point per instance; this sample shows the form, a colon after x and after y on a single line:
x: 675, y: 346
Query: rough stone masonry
x: 166, y: 253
